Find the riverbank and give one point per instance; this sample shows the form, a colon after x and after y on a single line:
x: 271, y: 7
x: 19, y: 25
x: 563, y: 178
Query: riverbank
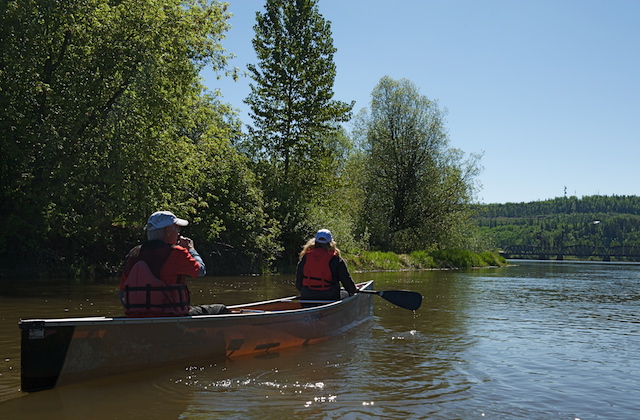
x: 423, y: 260
x: 365, y: 261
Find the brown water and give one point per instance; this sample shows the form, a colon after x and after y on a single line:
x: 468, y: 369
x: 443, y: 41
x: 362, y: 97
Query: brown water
x: 539, y: 340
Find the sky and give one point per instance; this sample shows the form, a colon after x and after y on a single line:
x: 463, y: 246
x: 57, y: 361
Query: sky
x: 548, y: 91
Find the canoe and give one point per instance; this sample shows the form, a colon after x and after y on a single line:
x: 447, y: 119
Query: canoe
x: 57, y: 352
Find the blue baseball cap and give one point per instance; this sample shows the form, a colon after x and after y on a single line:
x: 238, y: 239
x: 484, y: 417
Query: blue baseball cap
x: 323, y: 236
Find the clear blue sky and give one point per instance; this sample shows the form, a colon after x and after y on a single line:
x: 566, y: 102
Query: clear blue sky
x: 548, y: 90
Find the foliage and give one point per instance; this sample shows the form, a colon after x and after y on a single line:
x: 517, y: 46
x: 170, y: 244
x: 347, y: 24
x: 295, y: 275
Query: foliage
x: 423, y: 259
x: 338, y: 203
x: 383, y: 260
x: 621, y: 204
x: 599, y: 221
x: 417, y: 189
x: 493, y: 259
x: 457, y: 258
x: 292, y: 141
x: 103, y: 122
x: 234, y: 231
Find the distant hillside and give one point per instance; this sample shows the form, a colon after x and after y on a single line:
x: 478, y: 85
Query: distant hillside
x: 624, y: 204
x: 594, y: 221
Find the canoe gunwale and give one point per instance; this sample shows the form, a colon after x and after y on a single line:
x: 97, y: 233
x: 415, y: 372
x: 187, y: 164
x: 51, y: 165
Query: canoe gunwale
x: 36, y: 322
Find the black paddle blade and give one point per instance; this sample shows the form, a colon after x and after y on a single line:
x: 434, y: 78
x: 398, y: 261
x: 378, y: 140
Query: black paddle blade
x: 403, y: 298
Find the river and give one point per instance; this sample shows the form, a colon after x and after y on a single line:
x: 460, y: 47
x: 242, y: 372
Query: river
x: 535, y: 340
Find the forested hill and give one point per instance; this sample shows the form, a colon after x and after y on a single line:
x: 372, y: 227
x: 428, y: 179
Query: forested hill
x: 593, y: 221
x: 622, y: 204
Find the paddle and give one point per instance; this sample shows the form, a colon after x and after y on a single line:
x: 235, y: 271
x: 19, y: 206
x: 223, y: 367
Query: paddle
x: 402, y: 298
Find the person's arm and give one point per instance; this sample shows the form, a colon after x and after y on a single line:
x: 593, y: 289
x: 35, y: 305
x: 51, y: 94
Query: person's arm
x: 203, y: 270
x: 299, y: 271
x: 126, y: 269
x: 179, y: 263
x: 345, y: 277
x: 187, y: 243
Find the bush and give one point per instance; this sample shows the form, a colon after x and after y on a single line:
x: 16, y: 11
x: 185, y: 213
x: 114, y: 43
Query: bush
x: 493, y: 259
x: 457, y: 258
x: 422, y: 259
x: 447, y: 258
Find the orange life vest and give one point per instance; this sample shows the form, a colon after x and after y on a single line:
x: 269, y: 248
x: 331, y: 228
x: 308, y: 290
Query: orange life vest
x: 145, y: 295
x: 316, y: 274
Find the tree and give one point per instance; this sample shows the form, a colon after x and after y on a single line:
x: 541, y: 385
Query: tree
x: 294, y: 115
x: 103, y: 120
x: 417, y: 188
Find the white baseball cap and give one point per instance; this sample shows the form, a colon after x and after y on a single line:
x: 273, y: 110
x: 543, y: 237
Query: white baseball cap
x: 323, y: 236
x: 162, y: 219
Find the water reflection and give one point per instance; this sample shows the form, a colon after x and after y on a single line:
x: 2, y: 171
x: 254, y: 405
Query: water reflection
x: 151, y: 394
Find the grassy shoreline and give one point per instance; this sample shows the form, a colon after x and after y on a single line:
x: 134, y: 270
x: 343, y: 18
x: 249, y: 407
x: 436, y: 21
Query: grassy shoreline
x: 423, y: 260
x: 365, y: 261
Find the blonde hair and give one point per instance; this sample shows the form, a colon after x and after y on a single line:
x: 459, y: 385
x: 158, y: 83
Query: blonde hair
x: 311, y: 243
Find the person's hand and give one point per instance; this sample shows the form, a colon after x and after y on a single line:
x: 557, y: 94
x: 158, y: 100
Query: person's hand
x: 185, y: 242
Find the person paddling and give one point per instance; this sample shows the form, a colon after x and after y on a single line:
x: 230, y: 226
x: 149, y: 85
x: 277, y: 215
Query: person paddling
x: 321, y: 270
x: 153, y: 282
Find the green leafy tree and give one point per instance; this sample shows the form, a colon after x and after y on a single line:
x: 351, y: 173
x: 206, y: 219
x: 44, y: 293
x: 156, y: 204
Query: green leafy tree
x: 103, y: 121
x: 417, y: 188
x: 338, y: 205
x: 294, y: 116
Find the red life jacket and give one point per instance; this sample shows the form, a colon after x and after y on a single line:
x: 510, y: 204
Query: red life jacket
x: 145, y: 295
x: 316, y: 274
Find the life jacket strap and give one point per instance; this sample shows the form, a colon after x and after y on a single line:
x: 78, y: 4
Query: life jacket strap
x: 148, y: 289
x: 317, y: 283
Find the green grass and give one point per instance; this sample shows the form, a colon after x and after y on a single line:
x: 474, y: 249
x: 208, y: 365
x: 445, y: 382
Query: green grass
x: 420, y: 260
